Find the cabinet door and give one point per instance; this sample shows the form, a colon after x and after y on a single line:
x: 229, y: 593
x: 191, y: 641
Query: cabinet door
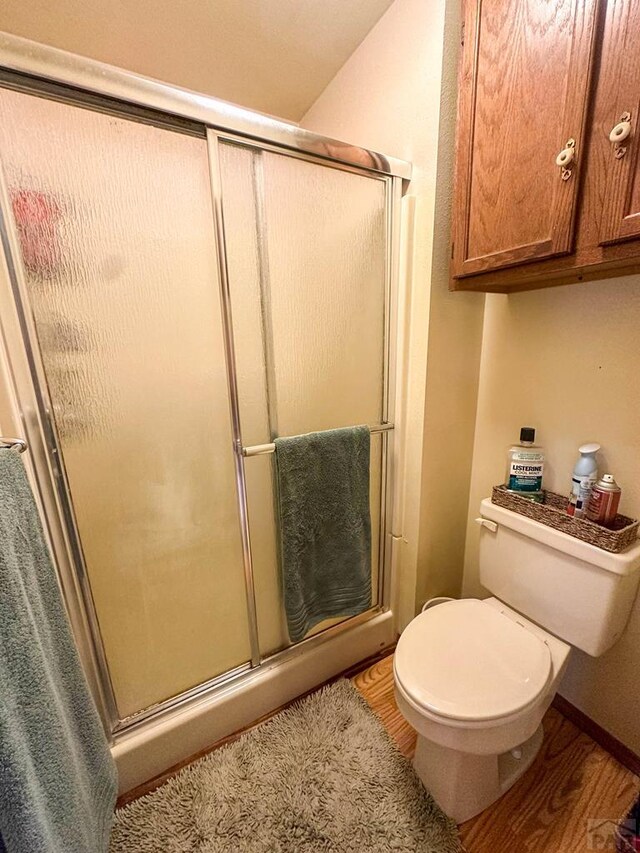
x: 619, y: 94
x: 524, y: 85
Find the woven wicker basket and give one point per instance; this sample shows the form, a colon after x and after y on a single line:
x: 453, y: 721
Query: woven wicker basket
x: 553, y: 512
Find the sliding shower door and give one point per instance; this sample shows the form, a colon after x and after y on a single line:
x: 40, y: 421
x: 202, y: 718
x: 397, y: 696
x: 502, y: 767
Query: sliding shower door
x: 183, y: 294
x: 306, y: 248
x: 119, y: 265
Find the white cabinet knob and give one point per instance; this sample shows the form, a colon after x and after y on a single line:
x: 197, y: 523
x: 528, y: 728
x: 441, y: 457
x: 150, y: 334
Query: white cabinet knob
x: 620, y: 132
x: 565, y: 157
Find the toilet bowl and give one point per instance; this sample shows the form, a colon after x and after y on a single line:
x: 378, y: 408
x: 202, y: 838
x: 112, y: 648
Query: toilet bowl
x: 474, y: 678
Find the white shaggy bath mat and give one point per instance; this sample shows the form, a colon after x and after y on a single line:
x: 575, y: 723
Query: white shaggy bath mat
x: 321, y: 776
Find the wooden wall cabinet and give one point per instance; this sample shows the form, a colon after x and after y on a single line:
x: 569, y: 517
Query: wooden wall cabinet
x: 543, y: 195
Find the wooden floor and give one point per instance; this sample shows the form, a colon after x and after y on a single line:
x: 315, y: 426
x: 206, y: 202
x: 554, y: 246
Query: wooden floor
x: 572, y: 781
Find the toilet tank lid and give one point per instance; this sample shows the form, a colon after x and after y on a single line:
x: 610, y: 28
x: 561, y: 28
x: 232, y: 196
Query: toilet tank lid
x: 624, y: 563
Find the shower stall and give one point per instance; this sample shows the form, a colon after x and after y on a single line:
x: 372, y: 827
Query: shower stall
x: 182, y: 282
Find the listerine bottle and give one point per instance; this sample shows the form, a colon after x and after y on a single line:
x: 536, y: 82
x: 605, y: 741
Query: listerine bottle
x: 526, y: 467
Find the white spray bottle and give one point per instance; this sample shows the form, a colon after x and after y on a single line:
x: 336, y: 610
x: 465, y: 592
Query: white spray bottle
x: 583, y: 479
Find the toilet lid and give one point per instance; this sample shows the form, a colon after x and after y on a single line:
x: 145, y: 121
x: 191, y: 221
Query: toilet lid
x: 465, y: 660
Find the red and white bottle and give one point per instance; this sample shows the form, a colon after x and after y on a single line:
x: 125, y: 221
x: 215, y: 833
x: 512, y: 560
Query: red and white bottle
x: 604, y: 501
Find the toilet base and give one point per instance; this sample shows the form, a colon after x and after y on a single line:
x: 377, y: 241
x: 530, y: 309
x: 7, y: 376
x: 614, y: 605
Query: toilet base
x: 463, y: 784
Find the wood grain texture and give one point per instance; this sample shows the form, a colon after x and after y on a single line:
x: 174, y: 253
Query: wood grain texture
x: 572, y: 781
x: 602, y: 737
x: 619, y: 84
x: 608, y: 205
x: 526, y: 66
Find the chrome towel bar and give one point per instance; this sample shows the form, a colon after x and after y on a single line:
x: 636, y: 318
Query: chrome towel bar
x: 18, y: 443
x: 263, y: 449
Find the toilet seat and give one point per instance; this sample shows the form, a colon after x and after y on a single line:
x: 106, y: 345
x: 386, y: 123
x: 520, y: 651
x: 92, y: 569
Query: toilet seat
x: 467, y: 661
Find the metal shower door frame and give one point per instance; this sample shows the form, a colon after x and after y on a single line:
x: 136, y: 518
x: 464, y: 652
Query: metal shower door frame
x: 80, y: 79
x: 393, y: 193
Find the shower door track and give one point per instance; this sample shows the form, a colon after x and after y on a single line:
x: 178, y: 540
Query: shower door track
x: 37, y: 69
x: 81, y: 75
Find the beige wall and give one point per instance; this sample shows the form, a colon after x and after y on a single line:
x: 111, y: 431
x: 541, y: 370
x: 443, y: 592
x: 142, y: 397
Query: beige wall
x: 388, y: 97
x: 566, y: 360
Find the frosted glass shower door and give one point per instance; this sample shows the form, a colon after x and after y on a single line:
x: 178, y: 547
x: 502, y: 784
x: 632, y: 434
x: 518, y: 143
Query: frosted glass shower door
x: 118, y: 252
x: 307, y: 264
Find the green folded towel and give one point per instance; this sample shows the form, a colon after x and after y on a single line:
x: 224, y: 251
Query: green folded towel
x: 325, y: 525
x: 57, y: 777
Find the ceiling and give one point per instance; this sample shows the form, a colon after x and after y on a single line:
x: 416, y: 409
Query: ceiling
x: 275, y: 56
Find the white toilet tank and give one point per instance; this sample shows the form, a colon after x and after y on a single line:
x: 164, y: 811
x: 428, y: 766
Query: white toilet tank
x: 578, y: 592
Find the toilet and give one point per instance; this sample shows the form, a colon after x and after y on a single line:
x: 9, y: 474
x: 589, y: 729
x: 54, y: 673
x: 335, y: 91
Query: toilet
x: 475, y: 677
